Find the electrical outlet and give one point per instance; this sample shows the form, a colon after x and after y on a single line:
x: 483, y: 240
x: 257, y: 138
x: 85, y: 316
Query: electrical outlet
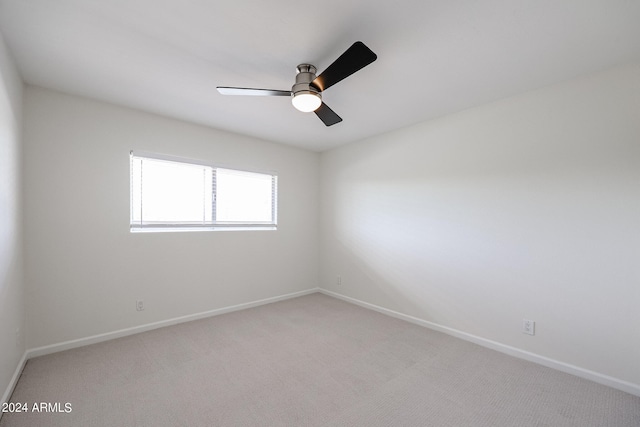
x: 18, y: 338
x: 339, y: 280
x: 528, y: 327
x: 139, y: 305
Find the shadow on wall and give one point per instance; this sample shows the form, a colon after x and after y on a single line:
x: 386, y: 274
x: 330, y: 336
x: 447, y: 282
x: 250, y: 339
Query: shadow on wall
x: 421, y: 249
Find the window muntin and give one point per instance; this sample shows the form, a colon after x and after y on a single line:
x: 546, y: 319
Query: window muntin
x: 174, y: 194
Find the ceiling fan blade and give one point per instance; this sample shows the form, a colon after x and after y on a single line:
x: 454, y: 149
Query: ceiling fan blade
x: 252, y: 92
x: 353, y: 59
x: 327, y: 115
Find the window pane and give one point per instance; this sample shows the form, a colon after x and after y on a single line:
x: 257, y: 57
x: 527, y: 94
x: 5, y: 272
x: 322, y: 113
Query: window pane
x: 243, y: 196
x: 175, y: 192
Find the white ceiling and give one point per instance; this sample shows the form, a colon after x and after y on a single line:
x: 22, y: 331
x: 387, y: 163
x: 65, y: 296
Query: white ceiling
x: 434, y: 57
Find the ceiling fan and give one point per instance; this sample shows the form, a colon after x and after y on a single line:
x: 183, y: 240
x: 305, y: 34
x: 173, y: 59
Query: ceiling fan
x: 306, y: 93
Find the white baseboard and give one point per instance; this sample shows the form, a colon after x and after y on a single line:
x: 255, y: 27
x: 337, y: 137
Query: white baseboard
x: 503, y: 348
x: 80, y: 342
x: 512, y: 351
x: 14, y: 380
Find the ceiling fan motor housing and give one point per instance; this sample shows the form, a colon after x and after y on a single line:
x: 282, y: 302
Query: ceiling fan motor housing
x: 306, y: 74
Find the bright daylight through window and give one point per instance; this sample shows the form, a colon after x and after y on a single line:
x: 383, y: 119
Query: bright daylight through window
x: 168, y: 194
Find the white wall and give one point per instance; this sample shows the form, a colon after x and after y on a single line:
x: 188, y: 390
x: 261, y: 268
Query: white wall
x: 524, y: 208
x: 85, y: 270
x: 12, y: 313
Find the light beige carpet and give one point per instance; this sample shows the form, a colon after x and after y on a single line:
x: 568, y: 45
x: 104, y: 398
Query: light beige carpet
x: 309, y: 361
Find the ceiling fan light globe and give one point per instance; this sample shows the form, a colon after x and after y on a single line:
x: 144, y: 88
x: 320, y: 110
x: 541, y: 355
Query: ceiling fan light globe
x: 306, y: 101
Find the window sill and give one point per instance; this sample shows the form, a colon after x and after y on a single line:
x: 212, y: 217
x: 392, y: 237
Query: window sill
x: 187, y: 229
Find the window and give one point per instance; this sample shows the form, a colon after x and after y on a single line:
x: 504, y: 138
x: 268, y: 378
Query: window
x: 171, y: 194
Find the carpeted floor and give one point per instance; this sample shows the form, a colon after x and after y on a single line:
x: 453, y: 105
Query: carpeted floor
x: 308, y: 361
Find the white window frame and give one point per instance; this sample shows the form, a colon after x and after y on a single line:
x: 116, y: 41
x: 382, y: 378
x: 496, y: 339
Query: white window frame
x: 213, y: 225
